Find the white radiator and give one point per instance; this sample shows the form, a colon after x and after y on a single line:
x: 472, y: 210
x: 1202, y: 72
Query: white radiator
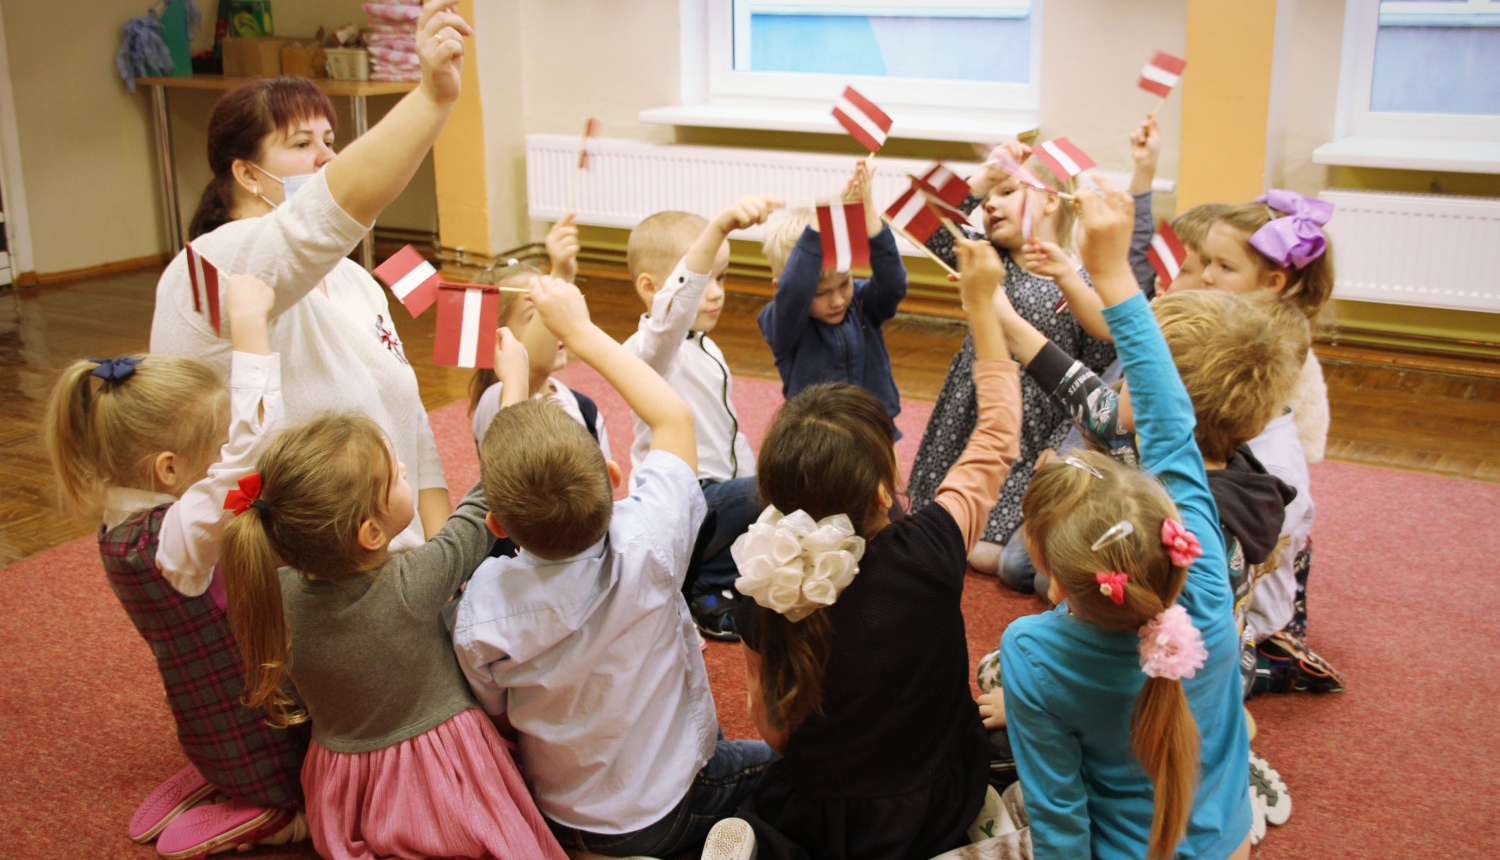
x: 628, y: 180
x: 1416, y: 249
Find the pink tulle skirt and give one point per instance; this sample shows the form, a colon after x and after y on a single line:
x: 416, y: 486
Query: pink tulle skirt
x: 453, y: 791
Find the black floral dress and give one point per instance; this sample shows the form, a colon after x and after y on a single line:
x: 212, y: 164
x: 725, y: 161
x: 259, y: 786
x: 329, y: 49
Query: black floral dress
x: 1043, y: 424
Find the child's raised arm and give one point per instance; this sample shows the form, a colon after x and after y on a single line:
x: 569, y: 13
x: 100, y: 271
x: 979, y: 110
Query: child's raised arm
x: 512, y: 367
x: 971, y: 485
x: 1145, y: 148
x: 563, y: 311
x: 1050, y: 261
x: 746, y: 212
x: 562, y: 248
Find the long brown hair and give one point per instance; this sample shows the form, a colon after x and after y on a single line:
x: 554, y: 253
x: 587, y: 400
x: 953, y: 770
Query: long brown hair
x: 829, y: 451
x: 102, y: 434
x: 1307, y: 289
x: 319, y: 483
x: 237, y: 130
x: 1066, y: 510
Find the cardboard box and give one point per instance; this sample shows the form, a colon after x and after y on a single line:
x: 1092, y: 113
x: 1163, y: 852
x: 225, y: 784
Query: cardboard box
x: 249, y: 58
x: 308, y: 61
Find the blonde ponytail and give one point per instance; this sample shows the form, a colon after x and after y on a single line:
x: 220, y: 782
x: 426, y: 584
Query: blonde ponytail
x: 1165, y: 740
x: 253, y: 589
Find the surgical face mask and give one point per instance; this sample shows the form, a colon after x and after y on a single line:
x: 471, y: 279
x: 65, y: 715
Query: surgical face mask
x: 289, y: 184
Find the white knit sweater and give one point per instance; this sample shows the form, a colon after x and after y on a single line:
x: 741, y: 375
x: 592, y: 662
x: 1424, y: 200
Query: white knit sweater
x: 339, y: 351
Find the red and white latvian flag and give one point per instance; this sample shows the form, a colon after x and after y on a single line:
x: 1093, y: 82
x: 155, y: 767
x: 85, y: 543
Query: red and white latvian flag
x: 841, y: 228
x: 1167, y: 254
x: 945, y: 185
x: 590, y: 128
x: 467, y: 316
x: 1063, y: 158
x: 411, y: 278
x: 205, y: 280
x: 1162, y: 73
x: 861, y: 118
x: 911, y: 215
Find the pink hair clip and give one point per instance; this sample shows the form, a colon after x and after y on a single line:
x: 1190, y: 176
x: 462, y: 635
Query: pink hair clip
x: 1171, y: 647
x: 1182, y: 545
x: 1112, y: 585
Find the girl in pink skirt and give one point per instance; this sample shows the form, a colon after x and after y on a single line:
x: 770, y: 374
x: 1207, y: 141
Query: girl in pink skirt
x: 402, y: 761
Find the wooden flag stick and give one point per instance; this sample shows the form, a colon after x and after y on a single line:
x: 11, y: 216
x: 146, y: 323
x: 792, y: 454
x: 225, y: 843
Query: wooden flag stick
x: 953, y: 230
x: 1159, y: 105
x: 514, y: 289
x: 583, y: 158
x: 926, y: 250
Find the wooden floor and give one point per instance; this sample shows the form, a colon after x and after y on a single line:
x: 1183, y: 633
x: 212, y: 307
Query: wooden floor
x: 1383, y: 413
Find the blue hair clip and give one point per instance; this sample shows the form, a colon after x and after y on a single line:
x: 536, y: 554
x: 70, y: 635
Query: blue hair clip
x: 115, y: 369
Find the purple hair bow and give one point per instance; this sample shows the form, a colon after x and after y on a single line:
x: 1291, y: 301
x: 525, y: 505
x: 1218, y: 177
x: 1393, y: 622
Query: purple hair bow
x: 115, y: 369
x: 1293, y: 240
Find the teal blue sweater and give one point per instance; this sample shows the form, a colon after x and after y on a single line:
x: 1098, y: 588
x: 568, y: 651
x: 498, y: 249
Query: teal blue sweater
x: 1070, y: 686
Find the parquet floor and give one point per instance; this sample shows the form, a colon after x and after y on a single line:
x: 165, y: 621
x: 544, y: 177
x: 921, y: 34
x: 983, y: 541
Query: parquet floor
x: 1383, y: 414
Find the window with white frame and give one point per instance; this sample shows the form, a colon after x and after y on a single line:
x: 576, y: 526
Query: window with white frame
x: 1422, y: 69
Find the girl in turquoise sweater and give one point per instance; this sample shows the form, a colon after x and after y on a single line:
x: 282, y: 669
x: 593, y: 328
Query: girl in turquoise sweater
x: 1123, y: 704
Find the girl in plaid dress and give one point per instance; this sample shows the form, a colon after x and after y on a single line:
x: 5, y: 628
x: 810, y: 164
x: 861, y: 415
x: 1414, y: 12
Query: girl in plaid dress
x: 134, y: 440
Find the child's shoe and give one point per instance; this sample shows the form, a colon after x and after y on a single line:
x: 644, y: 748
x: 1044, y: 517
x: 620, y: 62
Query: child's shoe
x: 714, y: 614
x: 1257, y: 818
x: 730, y: 839
x: 1290, y: 666
x: 207, y: 830
x: 1266, y: 783
x: 170, y: 799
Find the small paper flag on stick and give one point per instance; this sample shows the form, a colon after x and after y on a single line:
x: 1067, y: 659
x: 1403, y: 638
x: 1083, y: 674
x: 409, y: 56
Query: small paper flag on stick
x: 412, y: 279
x: 1167, y: 254
x: 860, y: 117
x: 841, y: 229
x: 205, y: 281
x: 945, y: 185
x: 911, y: 216
x: 1024, y: 175
x: 1063, y: 158
x: 467, y: 317
x: 1161, y: 74
x: 590, y: 126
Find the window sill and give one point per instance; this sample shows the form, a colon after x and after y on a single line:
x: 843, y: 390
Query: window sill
x: 911, y: 124
x: 1451, y: 156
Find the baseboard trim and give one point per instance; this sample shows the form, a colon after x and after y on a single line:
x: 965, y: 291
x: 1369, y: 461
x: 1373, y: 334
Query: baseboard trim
x: 83, y: 274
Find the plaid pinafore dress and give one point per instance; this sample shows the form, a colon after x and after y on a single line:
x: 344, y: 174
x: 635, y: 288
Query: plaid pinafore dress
x: 202, y: 669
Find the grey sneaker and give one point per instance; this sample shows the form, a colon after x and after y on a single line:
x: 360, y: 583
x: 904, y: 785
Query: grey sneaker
x: 1266, y: 783
x: 730, y: 839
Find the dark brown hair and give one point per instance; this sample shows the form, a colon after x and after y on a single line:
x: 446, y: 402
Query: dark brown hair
x: 237, y: 130
x: 545, y: 480
x: 829, y: 451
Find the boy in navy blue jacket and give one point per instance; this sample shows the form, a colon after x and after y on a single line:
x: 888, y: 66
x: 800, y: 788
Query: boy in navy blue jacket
x: 824, y: 326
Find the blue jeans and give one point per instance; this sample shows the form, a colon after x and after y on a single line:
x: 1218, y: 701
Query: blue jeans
x: 721, y: 785
x: 1016, y: 569
x: 737, y: 504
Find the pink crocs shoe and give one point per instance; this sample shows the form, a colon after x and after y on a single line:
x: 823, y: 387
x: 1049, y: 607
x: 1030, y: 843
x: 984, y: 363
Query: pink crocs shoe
x: 232, y: 824
x: 170, y: 799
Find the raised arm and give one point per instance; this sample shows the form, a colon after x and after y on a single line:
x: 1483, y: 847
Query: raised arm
x: 789, y: 314
x: 883, y: 293
x: 562, y: 310
x: 1050, y: 261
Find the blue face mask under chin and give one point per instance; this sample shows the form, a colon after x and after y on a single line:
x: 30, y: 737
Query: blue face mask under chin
x: 290, y: 185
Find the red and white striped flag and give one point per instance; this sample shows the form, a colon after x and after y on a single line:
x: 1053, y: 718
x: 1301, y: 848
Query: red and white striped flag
x: 1014, y: 169
x: 467, y: 317
x: 1063, y: 158
x: 861, y: 118
x: 1162, y: 73
x: 412, y: 279
x: 841, y: 229
x: 205, y: 281
x: 1167, y: 254
x: 945, y: 185
x: 911, y: 215
x: 590, y: 126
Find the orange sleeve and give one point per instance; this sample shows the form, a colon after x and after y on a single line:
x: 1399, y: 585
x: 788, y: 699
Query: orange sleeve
x: 973, y: 484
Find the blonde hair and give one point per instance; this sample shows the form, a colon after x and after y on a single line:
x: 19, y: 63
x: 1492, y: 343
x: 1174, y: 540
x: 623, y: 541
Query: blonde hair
x: 1193, y: 225
x: 1067, y: 220
x: 1066, y: 510
x: 657, y: 243
x: 782, y: 235
x: 545, y: 480
x: 102, y: 434
x: 319, y: 483
x: 514, y: 274
x: 1307, y: 289
x: 1235, y: 362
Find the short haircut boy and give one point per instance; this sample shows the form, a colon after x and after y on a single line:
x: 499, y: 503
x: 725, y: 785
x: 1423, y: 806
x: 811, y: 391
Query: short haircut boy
x: 657, y: 243
x: 545, y: 480
x: 1193, y: 225
x: 781, y: 237
x: 1235, y: 360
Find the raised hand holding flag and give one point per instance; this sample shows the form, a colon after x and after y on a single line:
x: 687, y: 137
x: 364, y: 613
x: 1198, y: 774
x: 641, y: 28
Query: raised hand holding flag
x: 205, y: 280
x: 864, y: 121
x: 1167, y: 254
x: 412, y: 279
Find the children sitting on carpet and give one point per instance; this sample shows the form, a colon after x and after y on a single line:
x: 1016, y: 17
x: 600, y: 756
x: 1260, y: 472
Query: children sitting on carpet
x: 677, y: 262
x: 855, y: 655
x: 582, y: 642
x: 135, y: 439
x: 402, y: 761
x: 822, y: 325
x: 1122, y: 704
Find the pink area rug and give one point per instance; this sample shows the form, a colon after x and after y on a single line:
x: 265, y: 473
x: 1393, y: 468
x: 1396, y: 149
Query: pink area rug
x: 1402, y: 602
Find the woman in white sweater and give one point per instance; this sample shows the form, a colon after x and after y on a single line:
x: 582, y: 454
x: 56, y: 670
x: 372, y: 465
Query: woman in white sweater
x: 282, y: 208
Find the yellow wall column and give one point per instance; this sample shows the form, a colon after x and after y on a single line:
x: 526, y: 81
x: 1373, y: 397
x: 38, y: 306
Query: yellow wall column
x: 1226, y: 98
x: 459, y: 164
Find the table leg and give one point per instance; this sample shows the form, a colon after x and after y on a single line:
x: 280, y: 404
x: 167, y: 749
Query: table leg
x: 168, y: 167
x: 361, y: 125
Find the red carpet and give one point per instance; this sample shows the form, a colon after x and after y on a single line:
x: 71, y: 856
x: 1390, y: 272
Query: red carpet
x: 1404, y: 603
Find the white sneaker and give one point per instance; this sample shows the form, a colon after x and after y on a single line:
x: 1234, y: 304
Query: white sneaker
x: 730, y: 839
x: 1257, y: 818
x: 1266, y: 783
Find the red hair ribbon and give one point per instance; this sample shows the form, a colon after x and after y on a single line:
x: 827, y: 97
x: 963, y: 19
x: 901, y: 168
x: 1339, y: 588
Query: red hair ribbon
x: 240, y: 500
x: 1182, y: 545
x: 1112, y: 585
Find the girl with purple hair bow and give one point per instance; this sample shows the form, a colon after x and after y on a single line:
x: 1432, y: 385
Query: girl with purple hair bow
x: 1276, y: 243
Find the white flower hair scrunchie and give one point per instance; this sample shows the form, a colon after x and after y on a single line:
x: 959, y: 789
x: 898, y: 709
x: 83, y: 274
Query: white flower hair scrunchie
x: 794, y: 566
